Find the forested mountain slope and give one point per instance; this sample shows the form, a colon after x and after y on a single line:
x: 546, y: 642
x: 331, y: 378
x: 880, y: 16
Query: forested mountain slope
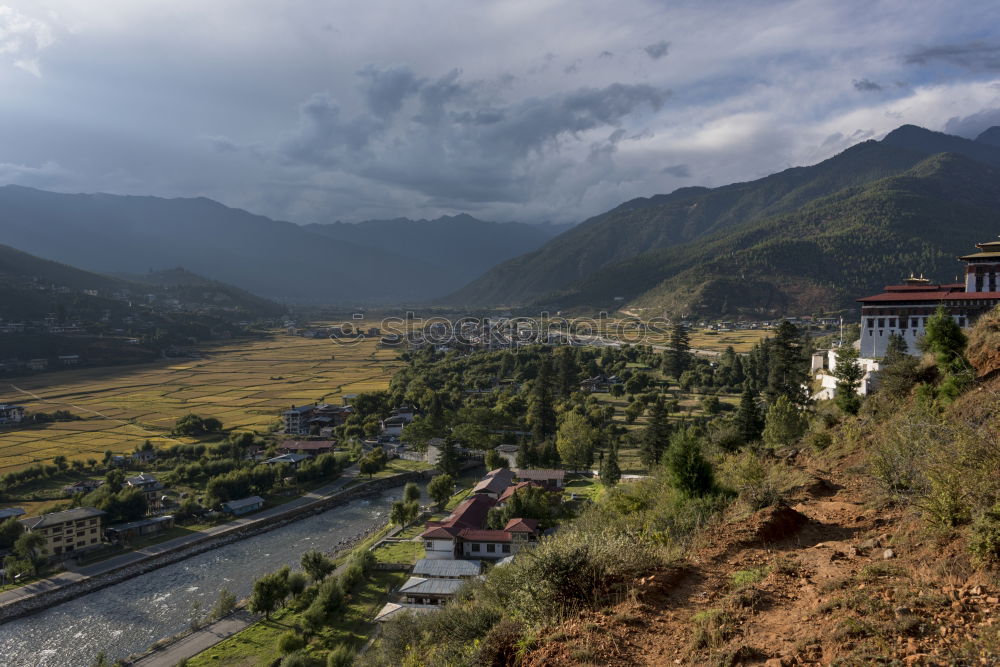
x: 702, y: 250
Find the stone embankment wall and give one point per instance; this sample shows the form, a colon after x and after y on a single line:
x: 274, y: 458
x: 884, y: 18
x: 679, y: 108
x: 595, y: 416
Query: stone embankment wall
x: 52, y: 597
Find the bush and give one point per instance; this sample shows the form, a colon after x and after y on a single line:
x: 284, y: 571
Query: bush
x: 499, y: 646
x: 290, y: 642
x: 342, y: 656
x: 753, y: 479
x: 819, y: 440
x: 984, y: 537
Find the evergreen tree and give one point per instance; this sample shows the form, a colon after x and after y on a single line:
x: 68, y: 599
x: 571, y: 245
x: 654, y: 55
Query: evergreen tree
x: 689, y: 471
x: 748, y: 420
x: 448, y: 459
x: 788, y: 371
x: 569, y: 372
x: 610, y: 472
x: 656, y: 437
x: 676, y: 356
x: 784, y: 423
x: 541, y: 411
x: 944, y: 338
x: 896, y: 348
x: 848, y: 373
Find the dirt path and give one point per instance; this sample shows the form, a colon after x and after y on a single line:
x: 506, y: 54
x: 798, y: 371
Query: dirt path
x: 829, y: 578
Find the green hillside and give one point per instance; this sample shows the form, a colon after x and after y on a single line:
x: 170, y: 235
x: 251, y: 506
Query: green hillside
x: 804, y: 239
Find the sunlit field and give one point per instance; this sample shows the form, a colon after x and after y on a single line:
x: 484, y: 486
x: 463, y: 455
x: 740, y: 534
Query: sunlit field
x: 245, y: 384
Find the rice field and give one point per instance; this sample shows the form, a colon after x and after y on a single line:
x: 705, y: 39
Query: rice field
x: 245, y: 384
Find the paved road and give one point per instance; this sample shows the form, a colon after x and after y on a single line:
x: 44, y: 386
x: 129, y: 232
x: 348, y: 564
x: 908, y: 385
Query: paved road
x: 198, y: 641
x: 83, y: 572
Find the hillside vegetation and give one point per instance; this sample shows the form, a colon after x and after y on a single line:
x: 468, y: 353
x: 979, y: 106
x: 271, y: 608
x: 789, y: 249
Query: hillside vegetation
x: 805, y: 239
x: 866, y: 539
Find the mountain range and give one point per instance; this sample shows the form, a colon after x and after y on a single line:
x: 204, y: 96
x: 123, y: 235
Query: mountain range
x: 394, y: 261
x: 807, y: 239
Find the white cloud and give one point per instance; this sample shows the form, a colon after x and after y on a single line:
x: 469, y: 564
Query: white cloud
x: 23, y: 38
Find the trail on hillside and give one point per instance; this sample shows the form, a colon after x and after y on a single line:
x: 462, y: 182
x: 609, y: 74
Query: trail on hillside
x: 831, y: 577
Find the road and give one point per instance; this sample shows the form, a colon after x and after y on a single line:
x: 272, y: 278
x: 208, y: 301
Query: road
x: 80, y: 573
x: 198, y: 641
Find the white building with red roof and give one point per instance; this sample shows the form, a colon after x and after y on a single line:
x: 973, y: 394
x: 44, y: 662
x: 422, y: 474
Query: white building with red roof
x: 904, y: 309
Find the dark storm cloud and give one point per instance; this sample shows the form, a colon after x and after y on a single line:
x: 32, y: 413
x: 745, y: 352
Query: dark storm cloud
x: 678, y: 170
x: 658, y: 50
x: 386, y: 89
x: 973, y: 125
x: 978, y: 56
x: 866, y: 86
x: 456, y: 145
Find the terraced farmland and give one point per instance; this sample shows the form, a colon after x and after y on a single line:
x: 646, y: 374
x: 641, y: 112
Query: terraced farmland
x: 245, y: 384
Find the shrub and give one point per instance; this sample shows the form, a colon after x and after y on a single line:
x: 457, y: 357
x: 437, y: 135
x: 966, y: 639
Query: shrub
x: 499, y: 646
x: 753, y: 479
x: 819, y: 440
x: 984, y: 537
x: 290, y: 642
x: 712, y: 628
x: 342, y: 656
x: 744, y: 578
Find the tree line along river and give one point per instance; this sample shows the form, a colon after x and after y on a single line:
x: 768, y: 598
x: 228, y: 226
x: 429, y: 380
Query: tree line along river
x: 130, y: 616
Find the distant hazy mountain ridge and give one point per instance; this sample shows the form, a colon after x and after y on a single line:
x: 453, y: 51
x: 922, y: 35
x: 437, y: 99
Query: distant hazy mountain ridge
x: 386, y: 262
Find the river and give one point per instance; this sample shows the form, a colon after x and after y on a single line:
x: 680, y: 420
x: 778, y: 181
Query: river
x: 130, y: 616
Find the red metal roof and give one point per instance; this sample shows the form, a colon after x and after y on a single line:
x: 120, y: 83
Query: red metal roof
x: 522, y: 526
x: 472, y: 535
x: 935, y: 296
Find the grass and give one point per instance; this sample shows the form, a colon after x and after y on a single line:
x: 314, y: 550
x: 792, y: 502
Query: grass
x: 399, y: 552
x: 587, y: 487
x: 743, y: 578
x: 257, y: 645
x: 244, y: 383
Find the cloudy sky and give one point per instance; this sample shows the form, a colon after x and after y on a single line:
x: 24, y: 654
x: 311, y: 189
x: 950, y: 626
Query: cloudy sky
x: 533, y: 110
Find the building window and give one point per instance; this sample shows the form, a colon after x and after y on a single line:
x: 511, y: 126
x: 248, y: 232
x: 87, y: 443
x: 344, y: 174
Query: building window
x: 871, y: 322
x: 475, y: 547
x: 429, y: 545
x: 506, y: 548
x: 491, y: 548
x: 881, y: 323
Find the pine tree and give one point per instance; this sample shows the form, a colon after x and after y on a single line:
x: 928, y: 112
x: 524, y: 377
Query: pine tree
x: 569, y: 372
x: 848, y: 373
x: 676, y: 356
x: 610, y: 472
x: 748, y: 419
x: 788, y: 371
x: 541, y: 412
x: 689, y: 471
x: 448, y: 460
x: 784, y: 423
x: 656, y: 437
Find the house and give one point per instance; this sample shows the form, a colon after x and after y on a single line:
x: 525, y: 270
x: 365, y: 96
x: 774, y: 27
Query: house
x: 118, y: 461
x: 37, y: 364
x: 11, y: 414
x: 83, y: 486
x: 69, y: 359
x: 429, y: 568
x: 418, y: 590
x: 68, y: 532
x: 10, y: 513
x: 509, y: 454
x: 123, y: 532
x: 514, y: 488
x: 296, y: 419
x: 495, y: 483
x: 314, y: 447
x: 243, y: 505
x: 494, y: 544
x: 292, y: 459
x: 554, y: 478
x: 828, y: 381
x: 441, y: 538
x: 393, y: 426
x: 149, y: 485
x: 144, y: 456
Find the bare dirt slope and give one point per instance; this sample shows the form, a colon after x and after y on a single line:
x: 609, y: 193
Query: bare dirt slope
x: 836, y: 576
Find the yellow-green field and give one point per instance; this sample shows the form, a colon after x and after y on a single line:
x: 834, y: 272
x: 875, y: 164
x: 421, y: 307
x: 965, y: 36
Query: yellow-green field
x: 245, y: 384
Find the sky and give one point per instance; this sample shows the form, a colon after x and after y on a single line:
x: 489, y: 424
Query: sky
x: 521, y: 110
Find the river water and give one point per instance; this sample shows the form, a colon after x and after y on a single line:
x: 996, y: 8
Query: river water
x: 130, y: 616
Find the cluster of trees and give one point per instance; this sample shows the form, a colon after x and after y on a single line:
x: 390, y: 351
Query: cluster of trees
x: 406, y: 510
x: 194, y: 426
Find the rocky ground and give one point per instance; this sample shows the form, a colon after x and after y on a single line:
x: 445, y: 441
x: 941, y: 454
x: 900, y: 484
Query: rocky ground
x: 837, y: 576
